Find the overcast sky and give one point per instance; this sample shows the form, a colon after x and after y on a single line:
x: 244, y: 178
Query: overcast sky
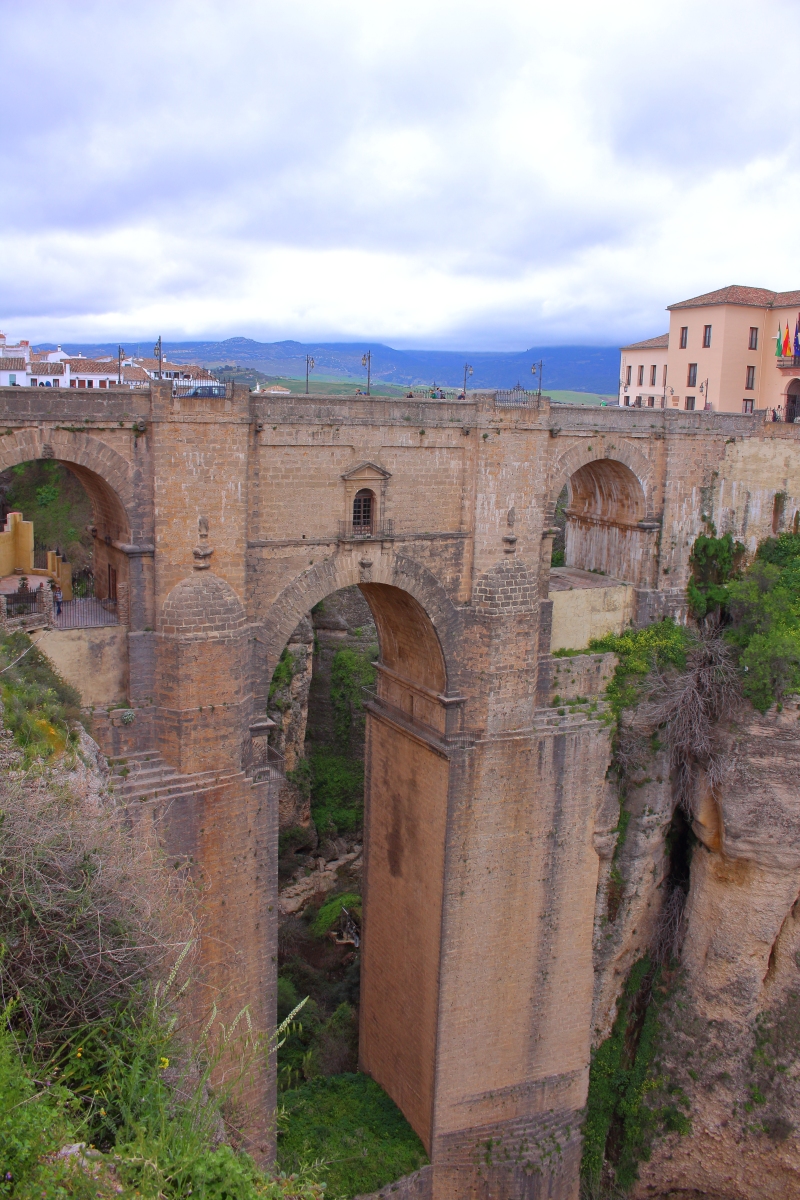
x: 491, y: 174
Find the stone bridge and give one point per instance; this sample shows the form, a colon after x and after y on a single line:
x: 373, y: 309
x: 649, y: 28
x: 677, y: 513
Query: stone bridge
x: 226, y: 519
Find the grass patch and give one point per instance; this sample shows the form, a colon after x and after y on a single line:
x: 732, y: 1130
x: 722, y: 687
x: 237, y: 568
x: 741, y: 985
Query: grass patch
x: 40, y: 708
x: 350, y: 1123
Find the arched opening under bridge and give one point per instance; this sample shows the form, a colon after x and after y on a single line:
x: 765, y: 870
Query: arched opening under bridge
x: 61, y: 526
x: 604, y: 548
x: 380, y: 957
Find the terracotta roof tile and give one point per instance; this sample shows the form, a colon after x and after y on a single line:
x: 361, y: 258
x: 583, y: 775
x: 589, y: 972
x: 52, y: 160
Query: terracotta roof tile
x: 90, y: 366
x: 47, y: 368
x: 13, y: 364
x: 657, y: 343
x: 734, y: 294
x: 786, y: 300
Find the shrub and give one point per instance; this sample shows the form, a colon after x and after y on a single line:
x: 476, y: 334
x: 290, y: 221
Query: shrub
x: 331, y: 910
x: 89, y: 918
x: 350, y: 672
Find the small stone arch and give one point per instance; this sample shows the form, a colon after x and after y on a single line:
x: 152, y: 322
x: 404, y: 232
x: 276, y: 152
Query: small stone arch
x: 791, y: 397
x: 567, y: 464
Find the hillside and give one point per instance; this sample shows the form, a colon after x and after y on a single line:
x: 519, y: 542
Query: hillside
x: 566, y: 368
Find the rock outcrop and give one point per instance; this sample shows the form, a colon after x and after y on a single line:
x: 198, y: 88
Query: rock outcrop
x: 287, y: 706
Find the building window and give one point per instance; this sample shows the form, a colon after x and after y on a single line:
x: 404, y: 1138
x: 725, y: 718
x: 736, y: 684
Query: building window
x: 753, y: 343
x: 102, y: 383
x: 691, y: 377
x: 751, y: 379
x: 627, y: 401
x: 706, y: 336
x: 653, y: 371
x: 56, y: 383
x: 747, y: 406
x: 689, y: 406
x: 664, y: 380
x: 638, y: 401
x: 12, y: 379
x: 684, y: 336
x: 651, y: 400
x: 628, y: 374
x: 640, y: 376
x: 73, y: 383
x: 90, y: 383
x: 363, y: 506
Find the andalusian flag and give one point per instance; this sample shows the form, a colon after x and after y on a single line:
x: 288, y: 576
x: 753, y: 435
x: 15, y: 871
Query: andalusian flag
x: 778, y: 343
x: 787, y: 344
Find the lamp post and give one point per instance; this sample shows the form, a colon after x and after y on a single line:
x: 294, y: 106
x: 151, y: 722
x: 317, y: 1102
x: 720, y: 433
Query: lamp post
x: 536, y: 369
x: 309, y: 367
x: 366, y: 361
x: 158, y: 354
x: 704, y: 394
x: 467, y: 371
x: 120, y: 353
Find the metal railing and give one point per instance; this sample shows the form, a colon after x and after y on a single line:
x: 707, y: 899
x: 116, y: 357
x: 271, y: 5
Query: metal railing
x: 788, y: 360
x: 85, y: 612
x: 211, y: 389
x: 40, y: 558
x: 463, y: 739
x: 352, y: 532
x: 263, y: 762
x: 23, y: 603
x: 516, y: 398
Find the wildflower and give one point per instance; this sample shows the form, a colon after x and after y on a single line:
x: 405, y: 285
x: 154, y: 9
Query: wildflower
x: 79, y: 1052
x: 102, y: 1112
x: 163, y: 1063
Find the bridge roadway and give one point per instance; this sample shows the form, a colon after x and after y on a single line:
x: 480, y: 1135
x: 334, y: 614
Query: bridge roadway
x: 226, y: 519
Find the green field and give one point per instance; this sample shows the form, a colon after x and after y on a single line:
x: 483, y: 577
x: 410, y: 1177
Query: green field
x: 581, y: 398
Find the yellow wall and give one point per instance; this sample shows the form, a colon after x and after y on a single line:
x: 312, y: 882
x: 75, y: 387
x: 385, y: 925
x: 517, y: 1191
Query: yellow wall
x: 16, y: 545
x: 584, y: 613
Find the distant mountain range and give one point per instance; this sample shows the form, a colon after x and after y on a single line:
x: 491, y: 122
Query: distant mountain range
x: 566, y: 368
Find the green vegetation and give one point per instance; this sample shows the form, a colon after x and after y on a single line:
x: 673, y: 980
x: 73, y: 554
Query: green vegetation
x: 351, y: 1124
x: 759, y: 608
x: 331, y: 910
x: 48, y: 494
x: 350, y: 672
x: 621, y: 1122
x: 337, y: 792
x: 640, y: 650
x: 40, y: 708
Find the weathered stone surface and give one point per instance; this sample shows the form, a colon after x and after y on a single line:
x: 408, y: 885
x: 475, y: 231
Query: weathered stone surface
x: 735, y: 1045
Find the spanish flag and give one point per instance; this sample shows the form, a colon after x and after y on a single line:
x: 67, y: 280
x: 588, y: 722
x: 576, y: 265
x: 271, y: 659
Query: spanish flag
x: 787, y: 344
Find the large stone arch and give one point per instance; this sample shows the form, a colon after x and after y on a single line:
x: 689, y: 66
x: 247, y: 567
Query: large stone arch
x: 577, y: 456
x: 406, y: 807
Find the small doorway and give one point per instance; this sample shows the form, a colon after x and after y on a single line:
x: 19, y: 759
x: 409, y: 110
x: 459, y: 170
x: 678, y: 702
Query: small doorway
x: 363, y: 511
x: 792, y: 409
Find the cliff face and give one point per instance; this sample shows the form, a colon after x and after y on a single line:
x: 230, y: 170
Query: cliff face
x: 731, y: 1031
x: 728, y: 1045
x: 287, y: 706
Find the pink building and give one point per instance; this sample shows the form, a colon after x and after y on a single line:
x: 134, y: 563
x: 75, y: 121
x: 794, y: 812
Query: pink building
x: 733, y: 350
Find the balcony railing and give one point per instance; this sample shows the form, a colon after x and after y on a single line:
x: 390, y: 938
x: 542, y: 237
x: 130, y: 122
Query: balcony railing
x: 788, y: 361
x: 263, y: 762
x: 351, y: 531
x: 85, y: 612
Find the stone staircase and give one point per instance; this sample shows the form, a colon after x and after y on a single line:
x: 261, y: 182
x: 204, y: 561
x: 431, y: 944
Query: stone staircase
x: 568, y: 721
x: 145, y: 776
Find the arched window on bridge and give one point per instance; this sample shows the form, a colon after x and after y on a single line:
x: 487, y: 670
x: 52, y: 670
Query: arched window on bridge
x: 363, y: 510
